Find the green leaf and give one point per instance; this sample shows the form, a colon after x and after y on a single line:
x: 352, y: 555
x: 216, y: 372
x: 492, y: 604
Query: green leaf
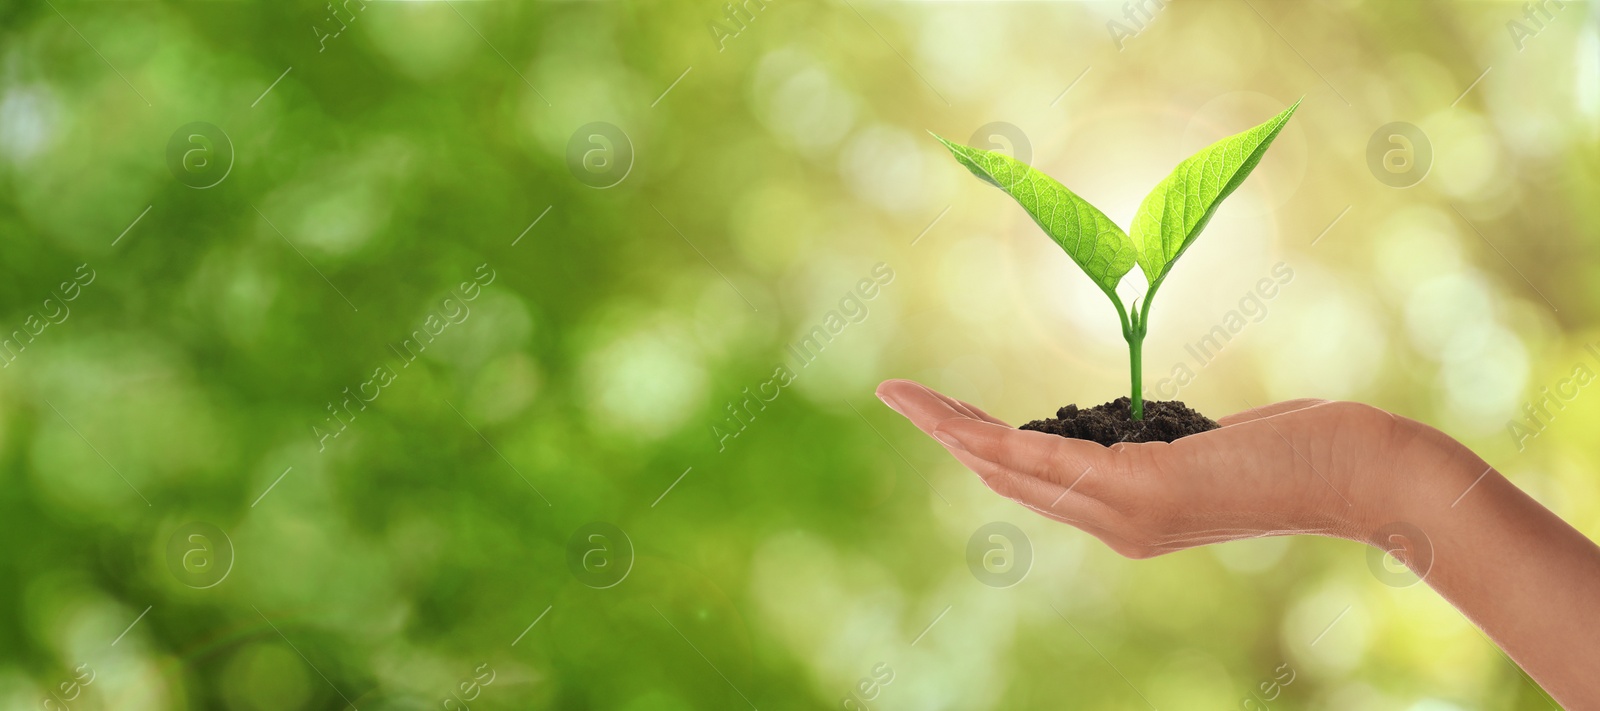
x: 1097, y: 244
x: 1175, y: 212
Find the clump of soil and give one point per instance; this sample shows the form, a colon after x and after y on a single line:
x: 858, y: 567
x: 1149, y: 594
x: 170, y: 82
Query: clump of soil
x: 1108, y: 424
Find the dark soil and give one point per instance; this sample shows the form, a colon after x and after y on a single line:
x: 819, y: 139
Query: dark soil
x: 1108, y: 424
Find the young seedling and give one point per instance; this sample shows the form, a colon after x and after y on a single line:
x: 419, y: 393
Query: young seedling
x: 1168, y: 220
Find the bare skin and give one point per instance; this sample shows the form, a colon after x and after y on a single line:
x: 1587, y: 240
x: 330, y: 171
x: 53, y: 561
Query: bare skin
x: 1529, y: 580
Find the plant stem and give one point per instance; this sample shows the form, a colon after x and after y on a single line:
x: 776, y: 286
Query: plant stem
x: 1135, y: 326
x: 1135, y: 344
x: 1133, y: 330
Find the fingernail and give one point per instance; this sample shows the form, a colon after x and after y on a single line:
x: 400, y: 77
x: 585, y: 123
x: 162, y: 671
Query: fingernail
x: 949, y: 441
x: 892, y: 404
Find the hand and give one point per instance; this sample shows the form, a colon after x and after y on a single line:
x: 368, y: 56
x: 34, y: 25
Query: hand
x: 1513, y: 567
x: 1296, y: 467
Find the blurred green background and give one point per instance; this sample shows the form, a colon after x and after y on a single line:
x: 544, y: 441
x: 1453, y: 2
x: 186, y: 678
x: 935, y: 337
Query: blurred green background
x: 399, y: 374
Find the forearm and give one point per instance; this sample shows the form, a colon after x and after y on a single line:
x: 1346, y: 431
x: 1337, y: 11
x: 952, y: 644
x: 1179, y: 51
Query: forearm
x: 1529, y: 580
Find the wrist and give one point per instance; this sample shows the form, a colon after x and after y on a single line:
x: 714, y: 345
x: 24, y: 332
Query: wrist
x: 1419, y: 475
x: 1424, y: 476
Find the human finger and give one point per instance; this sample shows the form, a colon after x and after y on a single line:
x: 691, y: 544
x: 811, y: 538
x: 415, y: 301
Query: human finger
x: 1036, y: 454
x: 1277, y: 408
x: 925, y: 408
x: 971, y: 409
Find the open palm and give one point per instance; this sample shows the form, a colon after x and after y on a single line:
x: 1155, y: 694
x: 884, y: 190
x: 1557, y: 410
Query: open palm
x: 1300, y: 466
x: 1343, y: 469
